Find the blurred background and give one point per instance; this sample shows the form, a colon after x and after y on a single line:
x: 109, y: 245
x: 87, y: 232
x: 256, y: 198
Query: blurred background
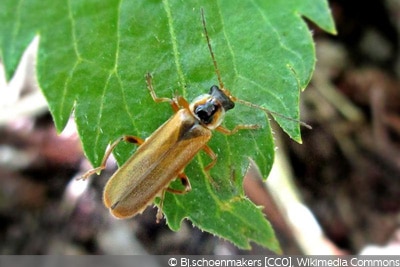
x: 338, y: 193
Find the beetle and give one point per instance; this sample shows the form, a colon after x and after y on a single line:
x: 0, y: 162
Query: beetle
x: 162, y: 157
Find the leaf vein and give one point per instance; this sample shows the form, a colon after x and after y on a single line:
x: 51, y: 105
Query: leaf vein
x: 73, y: 30
x: 100, y: 113
x: 174, y: 43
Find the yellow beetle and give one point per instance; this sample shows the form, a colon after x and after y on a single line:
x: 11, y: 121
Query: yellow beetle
x: 163, y: 156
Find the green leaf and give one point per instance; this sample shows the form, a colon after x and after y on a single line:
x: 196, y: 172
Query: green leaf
x: 93, y: 56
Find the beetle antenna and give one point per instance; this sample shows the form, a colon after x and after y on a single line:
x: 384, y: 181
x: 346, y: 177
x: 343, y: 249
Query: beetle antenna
x: 221, y: 84
x: 249, y: 104
x: 222, y: 87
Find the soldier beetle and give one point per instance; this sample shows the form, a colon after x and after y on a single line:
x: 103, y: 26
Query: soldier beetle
x: 163, y: 156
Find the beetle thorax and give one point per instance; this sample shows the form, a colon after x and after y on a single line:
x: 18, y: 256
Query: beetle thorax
x: 208, y: 111
x: 210, y: 108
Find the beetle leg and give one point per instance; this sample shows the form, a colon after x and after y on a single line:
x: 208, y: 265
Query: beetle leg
x: 237, y: 128
x: 160, y: 207
x: 132, y: 139
x: 213, y: 157
x: 182, y: 102
x: 174, y: 103
x: 127, y: 138
x: 185, y: 182
x: 153, y: 92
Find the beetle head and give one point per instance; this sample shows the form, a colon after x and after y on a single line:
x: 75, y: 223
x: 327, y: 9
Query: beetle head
x: 210, y: 108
